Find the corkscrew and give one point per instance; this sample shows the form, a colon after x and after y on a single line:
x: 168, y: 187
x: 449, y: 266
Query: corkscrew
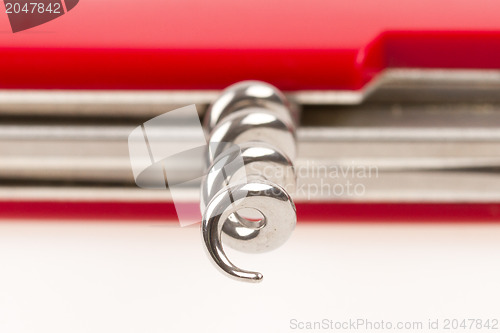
x: 245, y: 195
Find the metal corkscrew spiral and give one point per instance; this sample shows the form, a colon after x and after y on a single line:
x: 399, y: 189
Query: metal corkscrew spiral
x: 251, y: 129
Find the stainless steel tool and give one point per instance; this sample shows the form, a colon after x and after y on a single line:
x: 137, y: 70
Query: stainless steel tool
x: 251, y: 130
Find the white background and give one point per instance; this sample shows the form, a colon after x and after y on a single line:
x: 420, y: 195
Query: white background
x: 110, y: 277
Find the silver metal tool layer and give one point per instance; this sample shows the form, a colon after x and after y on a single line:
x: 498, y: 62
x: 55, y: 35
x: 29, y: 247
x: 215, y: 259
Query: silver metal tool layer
x: 411, y: 84
x: 432, y: 135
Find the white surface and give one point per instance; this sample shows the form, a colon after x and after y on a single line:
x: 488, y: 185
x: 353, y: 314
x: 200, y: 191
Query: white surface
x: 155, y: 278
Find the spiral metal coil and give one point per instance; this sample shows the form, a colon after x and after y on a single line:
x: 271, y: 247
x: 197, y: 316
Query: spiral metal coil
x: 251, y: 130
